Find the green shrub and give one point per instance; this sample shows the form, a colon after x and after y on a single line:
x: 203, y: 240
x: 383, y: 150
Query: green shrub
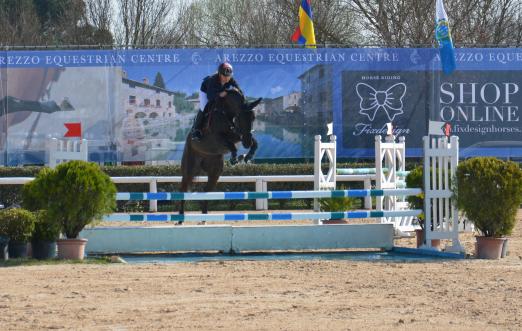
x: 415, y: 179
x: 46, y: 228
x: 337, y: 204
x: 17, y: 224
x: 74, y: 193
x: 489, y: 192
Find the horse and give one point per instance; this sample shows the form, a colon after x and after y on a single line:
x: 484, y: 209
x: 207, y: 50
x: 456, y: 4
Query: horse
x: 230, y: 122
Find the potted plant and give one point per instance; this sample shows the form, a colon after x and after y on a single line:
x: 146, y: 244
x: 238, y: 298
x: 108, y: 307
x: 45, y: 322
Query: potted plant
x: 74, y: 194
x: 17, y: 224
x: 489, y: 192
x: 340, y: 204
x: 46, y: 233
x: 415, y: 178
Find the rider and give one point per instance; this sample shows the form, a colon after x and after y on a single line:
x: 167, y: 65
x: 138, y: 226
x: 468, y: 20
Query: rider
x: 212, y: 88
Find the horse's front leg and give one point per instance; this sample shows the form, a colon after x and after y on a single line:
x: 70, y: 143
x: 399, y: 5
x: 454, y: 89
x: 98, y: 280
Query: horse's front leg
x: 253, y: 148
x: 232, y: 148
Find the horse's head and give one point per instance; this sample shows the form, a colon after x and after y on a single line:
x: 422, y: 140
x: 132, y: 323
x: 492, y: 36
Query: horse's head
x: 233, y: 102
x: 245, y: 122
x: 243, y: 113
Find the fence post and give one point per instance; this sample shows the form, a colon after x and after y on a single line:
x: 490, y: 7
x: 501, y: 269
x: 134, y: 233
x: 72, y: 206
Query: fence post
x: 261, y: 186
x: 322, y: 181
x: 441, y: 157
x: 153, y: 188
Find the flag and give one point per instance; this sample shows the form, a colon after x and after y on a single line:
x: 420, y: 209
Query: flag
x: 73, y: 130
x: 443, y: 36
x: 304, y: 34
x: 437, y: 128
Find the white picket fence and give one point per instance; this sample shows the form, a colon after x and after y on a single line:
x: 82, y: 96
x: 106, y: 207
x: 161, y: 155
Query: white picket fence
x: 63, y: 150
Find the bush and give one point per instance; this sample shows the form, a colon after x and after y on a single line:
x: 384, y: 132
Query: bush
x: 337, y: 204
x: 17, y: 224
x: 489, y: 192
x: 74, y: 193
x: 46, y: 228
x: 416, y: 179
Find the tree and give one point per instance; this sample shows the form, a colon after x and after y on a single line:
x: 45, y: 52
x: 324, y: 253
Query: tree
x: 18, y: 23
x: 151, y: 22
x: 43, y: 22
x: 411, y: 22
x: 99, y: 13
x: 268, y: 22
x: 158, y: 81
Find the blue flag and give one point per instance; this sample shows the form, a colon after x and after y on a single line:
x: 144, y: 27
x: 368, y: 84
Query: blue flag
x: 443, y: 36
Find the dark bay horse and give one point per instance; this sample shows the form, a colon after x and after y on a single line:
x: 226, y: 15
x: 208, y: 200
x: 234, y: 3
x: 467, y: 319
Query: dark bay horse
x: 231, y: 120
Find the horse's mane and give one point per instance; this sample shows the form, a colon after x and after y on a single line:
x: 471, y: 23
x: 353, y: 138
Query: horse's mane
x: 235, y: 92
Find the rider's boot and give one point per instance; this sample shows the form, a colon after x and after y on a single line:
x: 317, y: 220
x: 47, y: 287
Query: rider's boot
x: 198, y: 126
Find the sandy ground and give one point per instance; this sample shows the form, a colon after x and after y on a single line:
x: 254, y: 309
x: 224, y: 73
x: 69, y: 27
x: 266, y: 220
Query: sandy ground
x: 269, y: 295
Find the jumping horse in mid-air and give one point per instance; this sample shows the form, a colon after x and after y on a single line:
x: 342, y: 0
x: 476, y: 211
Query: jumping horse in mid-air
x: 230, y: 122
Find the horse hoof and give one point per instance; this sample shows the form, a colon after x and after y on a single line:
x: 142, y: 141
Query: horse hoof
x: 202, y: 223
x: 179, y: 223
x: 234, y: 161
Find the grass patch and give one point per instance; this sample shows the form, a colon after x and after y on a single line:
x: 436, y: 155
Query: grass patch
x: 30, y: 262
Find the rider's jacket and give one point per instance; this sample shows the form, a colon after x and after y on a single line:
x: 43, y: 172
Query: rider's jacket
x: 211, y: 87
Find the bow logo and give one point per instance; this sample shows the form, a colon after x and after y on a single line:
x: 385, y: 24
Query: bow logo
x: 388, y: 101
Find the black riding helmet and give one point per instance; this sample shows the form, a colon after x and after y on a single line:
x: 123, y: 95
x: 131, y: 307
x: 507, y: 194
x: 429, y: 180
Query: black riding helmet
x: 225, y: 69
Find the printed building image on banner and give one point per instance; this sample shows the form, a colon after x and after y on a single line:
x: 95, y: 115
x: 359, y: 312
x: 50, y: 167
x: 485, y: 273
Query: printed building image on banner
x: 146, y: 119
x: 483, y: 108
x: 371, y: 99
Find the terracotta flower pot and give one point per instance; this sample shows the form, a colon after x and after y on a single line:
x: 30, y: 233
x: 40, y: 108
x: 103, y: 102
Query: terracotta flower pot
x: 489, y: 247
x: 71, y: 249
x: 435, y: 243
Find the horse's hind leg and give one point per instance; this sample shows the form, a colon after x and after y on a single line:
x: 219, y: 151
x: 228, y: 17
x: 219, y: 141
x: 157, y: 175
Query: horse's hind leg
x: 188, y: 170
x: 214, y: 169
x: 186, y: 182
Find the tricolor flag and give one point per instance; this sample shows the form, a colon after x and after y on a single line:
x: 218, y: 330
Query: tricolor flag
x: 304, y: 34
x: 443, y: 36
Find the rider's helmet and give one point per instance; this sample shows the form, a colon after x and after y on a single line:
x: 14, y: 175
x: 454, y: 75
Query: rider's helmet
x: 225, y: 69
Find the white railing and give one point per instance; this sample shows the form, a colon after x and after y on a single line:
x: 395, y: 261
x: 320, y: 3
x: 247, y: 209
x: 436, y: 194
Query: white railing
x: 261, y: 182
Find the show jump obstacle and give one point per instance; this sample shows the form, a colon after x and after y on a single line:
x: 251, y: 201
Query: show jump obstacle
x: 389, y: 173
x: 441, y: 155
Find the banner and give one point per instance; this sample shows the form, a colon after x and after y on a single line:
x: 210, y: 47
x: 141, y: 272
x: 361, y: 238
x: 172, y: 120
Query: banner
x: 138, y: 105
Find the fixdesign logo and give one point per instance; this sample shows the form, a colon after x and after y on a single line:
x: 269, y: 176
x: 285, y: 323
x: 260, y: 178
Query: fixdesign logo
x: 388, y: 101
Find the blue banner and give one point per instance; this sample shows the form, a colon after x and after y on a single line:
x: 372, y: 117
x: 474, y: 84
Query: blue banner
x: 138, y: 105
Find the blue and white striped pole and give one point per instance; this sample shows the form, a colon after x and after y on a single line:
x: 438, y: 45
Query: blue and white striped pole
x: 178, y: 196
x: 258, y: 217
